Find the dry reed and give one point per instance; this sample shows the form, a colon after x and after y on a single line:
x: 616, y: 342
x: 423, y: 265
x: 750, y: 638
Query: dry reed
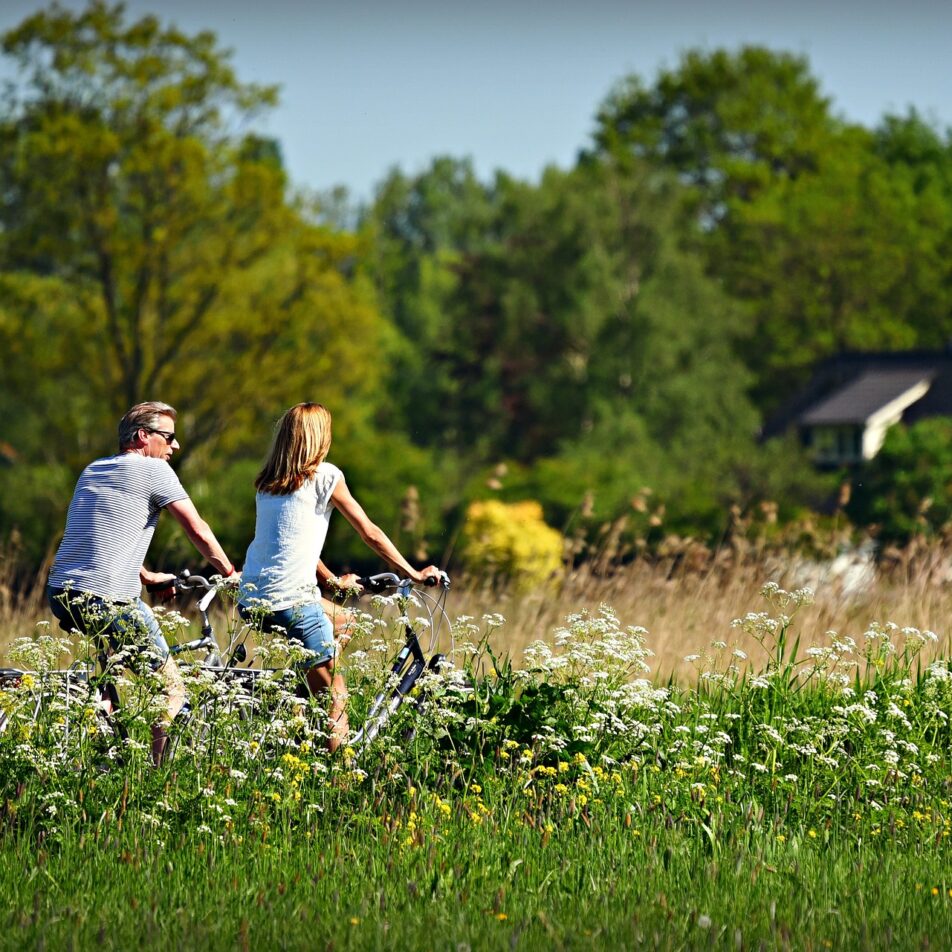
x: 685, y: 610
x: 684, y: 603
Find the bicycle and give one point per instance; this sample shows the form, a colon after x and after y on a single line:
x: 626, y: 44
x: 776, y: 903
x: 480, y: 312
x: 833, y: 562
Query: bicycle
x: 224, y: 687
x: 248, y: 694
x: 83, y: 701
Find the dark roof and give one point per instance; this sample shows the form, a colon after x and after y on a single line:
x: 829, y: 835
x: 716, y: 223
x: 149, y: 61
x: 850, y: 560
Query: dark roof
x: 864, y: 396
x: 835, y: 373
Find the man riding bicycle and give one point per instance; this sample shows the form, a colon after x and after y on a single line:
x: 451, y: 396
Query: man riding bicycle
x: 98, y: 571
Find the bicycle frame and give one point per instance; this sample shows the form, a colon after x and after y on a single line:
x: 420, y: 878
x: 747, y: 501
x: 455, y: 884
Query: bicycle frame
x: 389, y: 699
x: 234, y: 653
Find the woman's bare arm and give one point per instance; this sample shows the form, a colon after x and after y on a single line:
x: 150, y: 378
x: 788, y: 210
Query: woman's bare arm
x: 374, y: 536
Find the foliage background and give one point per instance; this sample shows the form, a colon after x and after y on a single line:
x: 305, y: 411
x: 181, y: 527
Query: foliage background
x: 610, y: 338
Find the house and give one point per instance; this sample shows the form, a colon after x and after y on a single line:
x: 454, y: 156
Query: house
x: 852, y: 399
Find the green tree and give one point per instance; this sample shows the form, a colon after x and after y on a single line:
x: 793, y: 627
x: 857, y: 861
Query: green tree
x: 849, y: 257
x: 589, y: 304
x: 150, y: 250
x: 906, y: 489
x: 829, y: 235
x: 178, y: 264
x: 729, y: 123
x: 910, y: 143
x: 568, y: 326
x: 419, y: 231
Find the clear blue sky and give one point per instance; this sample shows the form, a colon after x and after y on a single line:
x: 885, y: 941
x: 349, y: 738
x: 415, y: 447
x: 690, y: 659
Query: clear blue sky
x: 514, y: 84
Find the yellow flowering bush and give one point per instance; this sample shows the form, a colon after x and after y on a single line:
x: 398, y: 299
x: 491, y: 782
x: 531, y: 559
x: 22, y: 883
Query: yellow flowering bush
x: 512, y: 539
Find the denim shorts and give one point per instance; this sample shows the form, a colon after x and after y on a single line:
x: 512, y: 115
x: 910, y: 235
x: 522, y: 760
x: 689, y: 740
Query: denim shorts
x: 121, y: 625
x: 307, y: 624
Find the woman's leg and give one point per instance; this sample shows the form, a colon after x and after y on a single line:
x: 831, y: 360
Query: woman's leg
x: 341, y: 619
x: 310, y: 625
x: 323, y: 678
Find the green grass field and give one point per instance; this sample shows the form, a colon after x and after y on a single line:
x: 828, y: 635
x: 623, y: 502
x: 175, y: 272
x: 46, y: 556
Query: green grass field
x: 566, y: 802
x: 503, y: 885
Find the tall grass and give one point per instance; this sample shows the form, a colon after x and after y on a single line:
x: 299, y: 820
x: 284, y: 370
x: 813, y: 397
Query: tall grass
x: 686, y: 608
x: 684, y: 603
x: 22, y: 598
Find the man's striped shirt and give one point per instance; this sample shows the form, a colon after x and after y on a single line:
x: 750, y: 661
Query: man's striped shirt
x: 110, y: 523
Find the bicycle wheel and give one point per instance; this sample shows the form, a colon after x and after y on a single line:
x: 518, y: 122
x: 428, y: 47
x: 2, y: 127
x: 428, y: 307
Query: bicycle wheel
x: 10, y: 680
x: 426, y: 613
x: 218, y: 721
x: 59, y: 716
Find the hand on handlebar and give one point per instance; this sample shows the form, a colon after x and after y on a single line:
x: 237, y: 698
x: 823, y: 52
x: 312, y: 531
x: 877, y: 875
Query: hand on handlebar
x: 384, y: 581
x: 161, y: 585
x: 431, y: 575
x: 349, y: 583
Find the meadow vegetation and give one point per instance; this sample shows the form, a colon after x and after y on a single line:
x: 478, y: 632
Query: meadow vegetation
x: 793, y: 793
x: 554, y: 387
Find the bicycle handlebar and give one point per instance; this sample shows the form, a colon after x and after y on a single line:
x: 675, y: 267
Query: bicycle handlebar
x: 384, y: 580
x: 187, y: 580
x: 373, y: 583
x: 184, y: 580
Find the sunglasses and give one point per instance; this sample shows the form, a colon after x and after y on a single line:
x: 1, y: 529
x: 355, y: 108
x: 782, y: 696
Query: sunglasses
x: 165, y: 434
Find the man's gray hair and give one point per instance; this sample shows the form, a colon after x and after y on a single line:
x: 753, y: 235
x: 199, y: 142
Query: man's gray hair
x: 142, y: 416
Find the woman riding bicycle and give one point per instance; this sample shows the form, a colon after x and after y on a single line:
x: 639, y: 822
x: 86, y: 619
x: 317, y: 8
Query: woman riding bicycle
x: 296, y: 490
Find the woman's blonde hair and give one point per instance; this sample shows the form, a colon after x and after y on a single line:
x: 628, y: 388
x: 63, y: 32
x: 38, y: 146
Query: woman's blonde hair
x: 302, y: 439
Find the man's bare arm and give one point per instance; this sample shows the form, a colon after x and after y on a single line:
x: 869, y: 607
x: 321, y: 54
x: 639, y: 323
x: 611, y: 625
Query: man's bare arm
x: 201, y: 535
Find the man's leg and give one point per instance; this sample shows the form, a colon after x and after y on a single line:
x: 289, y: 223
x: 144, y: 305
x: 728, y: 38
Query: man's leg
x: 142, y: 619
x: 80, y: 613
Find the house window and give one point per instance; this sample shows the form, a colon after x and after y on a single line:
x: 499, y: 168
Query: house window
x: 835, y: 445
